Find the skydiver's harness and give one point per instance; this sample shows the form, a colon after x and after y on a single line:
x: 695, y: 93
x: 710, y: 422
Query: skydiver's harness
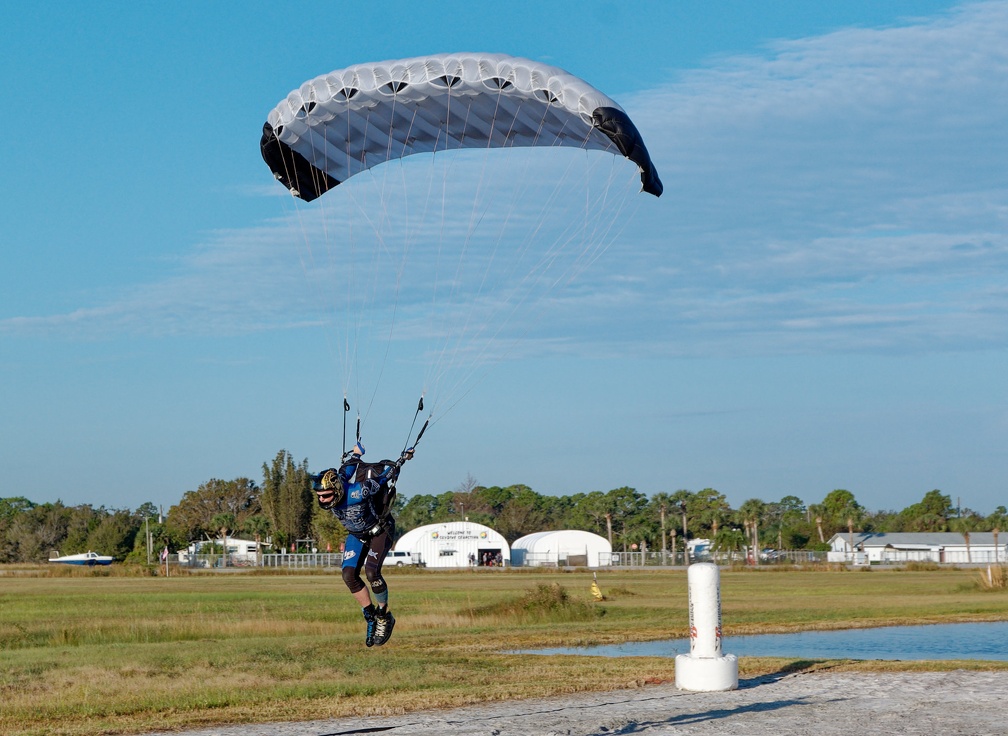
x: 364, y: 472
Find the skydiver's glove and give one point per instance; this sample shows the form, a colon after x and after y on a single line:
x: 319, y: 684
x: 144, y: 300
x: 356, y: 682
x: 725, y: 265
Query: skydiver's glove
x: 329, y: 488
x: 354, y: 453
x: 407, y: 454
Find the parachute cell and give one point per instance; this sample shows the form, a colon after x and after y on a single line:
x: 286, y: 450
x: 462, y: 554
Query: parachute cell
x: 353, y: 119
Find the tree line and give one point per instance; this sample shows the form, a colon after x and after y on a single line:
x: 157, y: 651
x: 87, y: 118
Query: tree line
x: 282, y: 511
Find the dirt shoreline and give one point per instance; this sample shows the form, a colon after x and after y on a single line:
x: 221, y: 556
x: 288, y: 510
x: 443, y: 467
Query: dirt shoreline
x: 806, y: 704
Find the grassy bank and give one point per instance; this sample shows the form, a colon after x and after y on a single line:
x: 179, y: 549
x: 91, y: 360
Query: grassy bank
x: 106, y: 653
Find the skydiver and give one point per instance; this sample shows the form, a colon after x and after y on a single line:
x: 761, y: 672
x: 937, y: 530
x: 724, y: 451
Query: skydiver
x: 360, y: 495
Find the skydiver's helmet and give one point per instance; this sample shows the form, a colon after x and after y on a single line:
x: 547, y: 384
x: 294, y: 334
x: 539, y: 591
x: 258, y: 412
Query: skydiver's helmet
x: 331, y: 489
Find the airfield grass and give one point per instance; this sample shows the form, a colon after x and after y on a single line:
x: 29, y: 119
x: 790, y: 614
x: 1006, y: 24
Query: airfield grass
x: 105, y: 652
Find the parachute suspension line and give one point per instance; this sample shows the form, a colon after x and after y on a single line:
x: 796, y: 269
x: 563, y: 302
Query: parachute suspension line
x: 317, y: 279
x: 594, y: 245
x: 432, y: 313
x: 461, y: 335
x: 402, y: 255
x: 579, y: 266
x: 517, y: 295
x: 377, y: 296
x: 310, y: 267
x: 438, y: 326
x: 348, y: 284
x: 449, y: 357
x: 340, y: 272
x: 365, y: 289
x: 502, y: 274
x: 609, y: 230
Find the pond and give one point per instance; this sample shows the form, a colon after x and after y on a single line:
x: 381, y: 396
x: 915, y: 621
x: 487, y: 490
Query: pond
x: 933, y: 641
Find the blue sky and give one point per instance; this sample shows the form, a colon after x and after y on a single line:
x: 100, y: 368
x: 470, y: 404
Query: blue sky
x: 818, y: 300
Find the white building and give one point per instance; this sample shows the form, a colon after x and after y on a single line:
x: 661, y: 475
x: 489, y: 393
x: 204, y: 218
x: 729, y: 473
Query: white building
x: 896, y: 547
x: 569, y: 547
x: 455, y: 544
x: 207, y: 553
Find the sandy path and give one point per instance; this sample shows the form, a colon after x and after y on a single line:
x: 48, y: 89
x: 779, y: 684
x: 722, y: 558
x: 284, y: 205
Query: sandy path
x: 820, y: 704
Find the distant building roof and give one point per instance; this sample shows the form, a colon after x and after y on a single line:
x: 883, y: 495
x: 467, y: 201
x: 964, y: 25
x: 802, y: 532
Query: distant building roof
x: 910, y: 540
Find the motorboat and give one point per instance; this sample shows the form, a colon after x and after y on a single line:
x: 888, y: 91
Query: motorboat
x: 90, y: 559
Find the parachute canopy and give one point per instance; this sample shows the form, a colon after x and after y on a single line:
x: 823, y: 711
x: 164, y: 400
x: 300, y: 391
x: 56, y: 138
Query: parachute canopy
x: 427, y: 270
x: 353, y: 119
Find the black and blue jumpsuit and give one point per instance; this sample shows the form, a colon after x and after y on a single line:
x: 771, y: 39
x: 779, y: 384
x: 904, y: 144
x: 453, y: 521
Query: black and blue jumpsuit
x: 363, y: 512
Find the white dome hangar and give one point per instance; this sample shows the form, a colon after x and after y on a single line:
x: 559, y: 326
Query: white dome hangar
x: 567, y: 547
x: 455, y: 544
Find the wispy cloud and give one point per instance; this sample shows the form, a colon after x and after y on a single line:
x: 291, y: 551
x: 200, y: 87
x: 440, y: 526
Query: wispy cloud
x: 842, y: 192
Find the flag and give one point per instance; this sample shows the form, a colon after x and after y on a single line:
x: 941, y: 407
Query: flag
x: 164, y: 554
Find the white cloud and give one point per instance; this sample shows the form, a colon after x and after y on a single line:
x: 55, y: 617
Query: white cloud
x: 842, y: 192
x: 851, y: 184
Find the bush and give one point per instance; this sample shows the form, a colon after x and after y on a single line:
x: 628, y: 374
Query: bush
x: 548, y: 602
x: 993, y: 578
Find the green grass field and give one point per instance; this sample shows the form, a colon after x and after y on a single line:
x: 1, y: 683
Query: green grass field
x: 99, y: 653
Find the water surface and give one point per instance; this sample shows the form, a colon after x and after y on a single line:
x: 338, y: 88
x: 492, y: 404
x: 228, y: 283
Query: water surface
x: 934, y: 641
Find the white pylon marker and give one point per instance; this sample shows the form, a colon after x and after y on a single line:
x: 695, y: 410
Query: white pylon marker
x: 705, y: 668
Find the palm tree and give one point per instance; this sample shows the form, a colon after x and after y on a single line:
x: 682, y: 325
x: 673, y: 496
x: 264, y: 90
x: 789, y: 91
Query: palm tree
x: 752, y: 512
x: 680, y: 500
x: 662, y: 501
x: 258, y: 526
x: 664, y: 545
x: 728, y: 543
x: 224, y: 523
x: 818, y: 510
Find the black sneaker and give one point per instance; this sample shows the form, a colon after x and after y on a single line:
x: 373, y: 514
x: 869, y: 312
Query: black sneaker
x: 372, y: 624
x: 383, y: 631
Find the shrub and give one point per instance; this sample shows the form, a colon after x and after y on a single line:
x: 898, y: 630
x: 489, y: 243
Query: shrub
x: 993, y: 578
x: 547, y: 602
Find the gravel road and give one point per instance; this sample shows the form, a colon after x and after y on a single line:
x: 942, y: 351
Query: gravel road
x: 816, y: 704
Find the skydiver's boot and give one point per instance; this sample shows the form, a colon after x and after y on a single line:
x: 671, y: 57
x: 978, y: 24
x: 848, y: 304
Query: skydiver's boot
x: 371, y: 618
x: 383, y: 631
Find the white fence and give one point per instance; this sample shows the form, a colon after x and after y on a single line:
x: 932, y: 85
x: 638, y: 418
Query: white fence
x: 309, y: 560
x: 304, y: 560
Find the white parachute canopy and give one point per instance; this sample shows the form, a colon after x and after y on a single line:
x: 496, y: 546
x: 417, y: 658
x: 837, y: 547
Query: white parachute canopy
x: 443, y: 260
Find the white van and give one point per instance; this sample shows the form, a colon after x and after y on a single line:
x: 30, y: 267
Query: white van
x: 402, y: 558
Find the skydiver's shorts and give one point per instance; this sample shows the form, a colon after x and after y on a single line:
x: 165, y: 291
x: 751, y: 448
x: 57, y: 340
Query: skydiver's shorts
x: 368, y: 553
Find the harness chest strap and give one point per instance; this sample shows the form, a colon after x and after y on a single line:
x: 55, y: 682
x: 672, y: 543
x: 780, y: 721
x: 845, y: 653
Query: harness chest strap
x: 371, y: 533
